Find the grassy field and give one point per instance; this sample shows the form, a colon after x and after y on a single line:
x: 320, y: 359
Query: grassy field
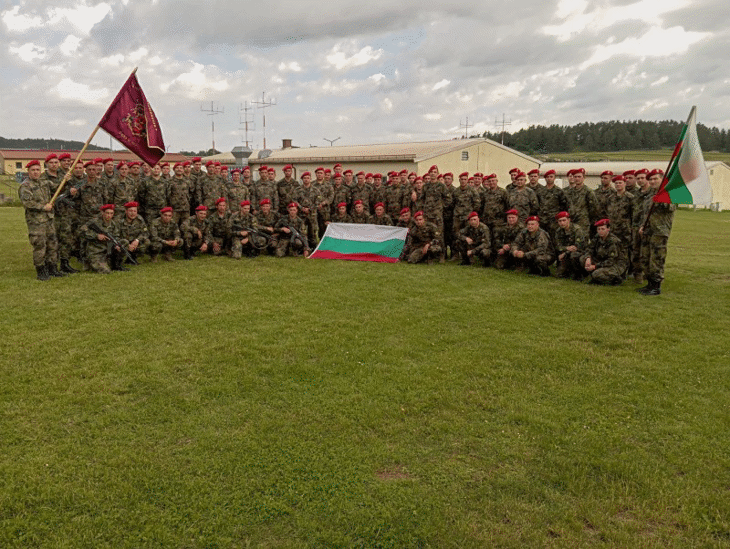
x: 621, y: 156
x: 313, y: 403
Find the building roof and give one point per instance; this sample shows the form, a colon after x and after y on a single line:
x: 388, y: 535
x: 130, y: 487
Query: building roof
x: 379, y: 152
x: 596, y: 168
x: 40, y: 154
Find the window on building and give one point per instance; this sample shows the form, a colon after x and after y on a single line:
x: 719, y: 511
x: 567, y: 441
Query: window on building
x: 711, y: 172
x: 464, y: 155
x: 18, y: 165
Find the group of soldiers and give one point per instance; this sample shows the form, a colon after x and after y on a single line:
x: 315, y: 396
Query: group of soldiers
x: 108, y: 211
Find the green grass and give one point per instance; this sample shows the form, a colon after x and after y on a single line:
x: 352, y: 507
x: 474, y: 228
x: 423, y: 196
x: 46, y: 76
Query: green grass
x: 624, y: 156
x: 314, y: 403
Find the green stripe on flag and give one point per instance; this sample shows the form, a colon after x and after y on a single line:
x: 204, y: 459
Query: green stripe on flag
x: 677, y: 190
x: 387, y: 248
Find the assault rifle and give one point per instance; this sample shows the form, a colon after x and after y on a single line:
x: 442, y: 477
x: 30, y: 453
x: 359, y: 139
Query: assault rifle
x: 66, y: 196
x: 296, y: 235
x: 94, y: 227
x: 259, y: 239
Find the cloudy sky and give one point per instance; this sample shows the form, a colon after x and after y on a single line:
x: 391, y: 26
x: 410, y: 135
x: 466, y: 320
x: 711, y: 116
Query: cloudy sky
x: 366, y: 72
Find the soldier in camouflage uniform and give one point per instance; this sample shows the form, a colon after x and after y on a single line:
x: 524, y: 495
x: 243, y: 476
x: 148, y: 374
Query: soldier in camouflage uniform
x: 655, y: 230
x: 533, y: 183
x: 504, y: 236
x: 522, y: 199
x: 238, y: 225
x: 605, y: 260
x: 436, y: 198
x: 211, y: 187
x: 35, y: 194
x: 362, y: 191
x: 101, y: 255
x: 286, y: 188
x: 153, y: 194
x: 195, y: 233
x: 474, y: 241
x: 396, y: 197
x: 424, y: 240
x: 582, y: 201
x: 165, y: 236
x: 133, y: 229
x: 66, y: 215
x: 219, y: 238
x: 552, y: 202
x: 643, y: 194
x: 180, y: 191
x: 92, y: 195
x: 571, y: 243
x: 289, y: 244
x: 196, y: 176
x: 380, y: 191
x: 108, y: 176
x: 308, y: 198
x: 124, y: 191
x: 266, y: 221
x: 380, y: 217
x: 604, y: 193
x: 324, y: 190
x: 465, y: 200
x: 620, y: 211
x: 341, y: 216
x: 359, y: 215
x: 533, y: 248
x: 267, y: 189
x: 237, y: 191
x: 340, y: 193
x: 494, y: 203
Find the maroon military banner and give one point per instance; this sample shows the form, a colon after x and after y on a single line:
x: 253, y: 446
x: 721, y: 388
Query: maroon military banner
x: 131, y: 121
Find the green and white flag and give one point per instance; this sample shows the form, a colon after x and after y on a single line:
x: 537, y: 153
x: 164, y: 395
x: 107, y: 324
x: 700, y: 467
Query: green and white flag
x: 358, y: 242
x: 686, y: 180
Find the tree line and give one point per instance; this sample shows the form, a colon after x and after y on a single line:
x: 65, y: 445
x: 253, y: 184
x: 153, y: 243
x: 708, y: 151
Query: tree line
x: 46, y: 144
x: 614, y: 135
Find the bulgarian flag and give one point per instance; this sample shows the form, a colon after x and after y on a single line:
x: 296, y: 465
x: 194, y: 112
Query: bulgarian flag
x: 686, y: 180
x: 358, y: 242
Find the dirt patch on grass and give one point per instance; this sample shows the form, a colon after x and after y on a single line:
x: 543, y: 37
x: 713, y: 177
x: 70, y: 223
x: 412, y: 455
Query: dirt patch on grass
x: 393, y: 473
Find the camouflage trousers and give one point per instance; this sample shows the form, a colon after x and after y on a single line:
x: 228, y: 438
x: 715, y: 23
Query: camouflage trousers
x: 66, y: 227
x: 288, y: 246
x: 637, y: 265
x: 45, y: 244
x: 311, y: 223
x: 180, y: 216
x: 504, y: 261
x: 654, y: 254
x: 161, y: 248
x: 570, y: 266
x: 225, y: 245
x: 192, y: 240
x: 483, y: 253
x: 607, y: 275
x: 239, y: 248
x: 323, y: 215
x: 416, y: 255
x: 100, y: 262
x: 535, y: 263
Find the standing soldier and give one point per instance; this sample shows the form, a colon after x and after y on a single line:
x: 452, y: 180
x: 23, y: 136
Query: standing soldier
x: 655, y: 231
x: 340, y: 193
x: 379, y: 193
x: 571, y: 242
x: 630, y: 177
x: 133, y: 229
x: 237, y: 191
x: 361, y: 191
x: 67, y: 219
x: 325, y: 191
x: 195, y: 233
x: 153, y: 194
x: 603, y: 194
x: 466, y: 201
x: 494, y: 203
x: 395, y: 192
x: 165, y: 236
x: 552, y: 202
x: 474, y: 241
x: 66, y: 161
x: 286, y: 187
x: 533, y: 249
x: 620, y: 211
x: 522, y: 199
x: 196, y: 178
x: 436, y: 198
x: 124, y: 191
x: 101, y: 255
x: 211, y: 186
x: 52, y: 173
x: 92, y: 195
x: 108, y: 177
x: 267, y: 189
x: 308, y: 199
x: 582, y: 200
x: 179, y: 191
x: 533, y: 183
x: 135, y: 169
x: 241, y: 239
x: 642, y: 194
x: 605, y: 260
x: 35, y: 194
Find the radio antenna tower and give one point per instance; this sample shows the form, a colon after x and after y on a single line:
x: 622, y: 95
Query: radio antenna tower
x: 263, y: 104
x: 497, y: 123
x: 246, y: 119
x: 212, y: 112
x: 466, y: 127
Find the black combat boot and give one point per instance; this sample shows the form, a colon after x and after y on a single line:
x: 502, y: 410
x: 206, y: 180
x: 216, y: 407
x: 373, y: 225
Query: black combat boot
x: 117, y: 264
x: 655, y: 288
x: 465, y: 260
x: 53, y: 270
x: 67, y: 268
x: 187, y: 252
x: 42, y: 273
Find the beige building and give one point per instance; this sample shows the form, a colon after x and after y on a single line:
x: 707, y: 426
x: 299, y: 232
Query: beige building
x: 456, y: 156
x: 718, y: 172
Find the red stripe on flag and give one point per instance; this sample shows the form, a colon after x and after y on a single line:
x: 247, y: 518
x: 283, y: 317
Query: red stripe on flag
x: 326, y: 254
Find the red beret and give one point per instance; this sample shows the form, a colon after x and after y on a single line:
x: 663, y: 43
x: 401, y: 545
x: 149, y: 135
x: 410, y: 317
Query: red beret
x: 86, y: 165
x: 202, y: 208
x: 121, y: 163
x: 449, y: 174
x: 463, y: 174
x: 327, y: 170
x: 246, y: 203
x: 569, y: 172
x: 549, y: 172
x: 492, y: 176
x: 357, y: 202
x: 403, y: 171
x: 216, y: 163
x: 472, y: 214
x: 607, y: 172
x: 534, y: 171
x: 337, y: 175
x: 602, y: 222
x: 247, y: 168
x: 177, y: 164
x: 412, y: 173
x: 642, y: 170
x: 579, y: 170
x: 471, y: 180
x: 653, y: 173
x: 319, y: 169
x: 417, y: 179
x: 628, y: 172
x: 166, y: 209
x: 342, y: 205
x: 561, y: 215
x: 292, y: 205
x: 106, y: 207
x: 64, y: 156
x: 478, y: 174
x: 263, y: 169
x: 347, y: 171
x: 221, y: 199
x: 110, y: 159
x: 209, y: 163
x: 32, y: 163
x: 419, y: 213
x: 338, y: 165
x: 306, y: 173
x: 236, y: 170
x: 405, y: 210
x: 51, y: 157
x: 533, y: 218
x: 512, y: 212
x: 433, y: 168
x: 132, y: 204
x: 368, y: 175
x: 264, y: 201
x: 379, y: 205
x: 272, y: 170
x: 223, y: 168
x: 98, y: 160
x: 618, y: 178
x: 513, y: 170
x: 378, y: 175
x: 186, y: 164
x: 521, y: 174
x: 197, y: 159
x: 288, y: 167
x: 360, y: 173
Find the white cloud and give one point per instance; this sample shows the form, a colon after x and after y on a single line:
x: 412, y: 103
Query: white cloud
x: 68, y: 89
x: 377, y: 77
x: 17, y: 22
x: 292, y: 66
x: 441, y: 84
x: 70, y: 45
x: 195, y: 84
x: 511, y: 90
x: 340, y: 60
x: 112, y: 61
x: 387, y: 104
x: 82, y: 17
x: 663, y: 80
x: 77, y: 122
x: 432, y: 116
x: 29, y: 52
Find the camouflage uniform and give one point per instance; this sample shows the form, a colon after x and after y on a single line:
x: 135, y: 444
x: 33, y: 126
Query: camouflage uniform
x: 192, y: 241
x: 347, y: 218
x: 494, y: 203
x: 286, y: 189
x: 525, y: 201
x: 394, y: 199
x: 609, y: 257
x: 419, y: 237
x: 211, y: 189
x: 552, y: 202
x: 268, y: 190
x: 362, y: 192
x: 288, y: 245
x: 153, y: 195
x: 604, y: 195
x: 656, y: 237
x: 481, y: 243
x: 361, y: 218
x: 218, y: 231
x: 437, y: 197
x: 263, y: 222
x: 101, y: 256
x: 637, y: 263
x: 570, y: 265
x: 160, y: 231
x: 125, y: 190
x: 135, y: 230
x: 382, y: 220
x: 465, y: 200
x: 41, y: 231
x: 66, y: 219
x: 237, y: 223
x: 539, y: 251
x: 582, y: 206
x: 309, y: 197
x: 91, y: 197
x: 620, y: 210
x: 503, y: 235
x: 180, y: 190
x: 339, y: 194
x: 379, y: 194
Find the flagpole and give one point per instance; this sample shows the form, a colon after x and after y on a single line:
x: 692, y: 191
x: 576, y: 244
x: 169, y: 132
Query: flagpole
x: 67, y: 176
x: 666, y: 172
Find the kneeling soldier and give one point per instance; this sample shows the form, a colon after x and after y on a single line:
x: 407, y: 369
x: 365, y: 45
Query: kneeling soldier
x: 134, y: 230
x: 570, y: 244
x: 101, y: 255
x: 533, y: 248
x: 425, y: 240
x: 240, y: 237
x: 164, y: 235
x: 606, y: 258
x: 195, y: 232
x: 474, y: 241
x: 290, y: 243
